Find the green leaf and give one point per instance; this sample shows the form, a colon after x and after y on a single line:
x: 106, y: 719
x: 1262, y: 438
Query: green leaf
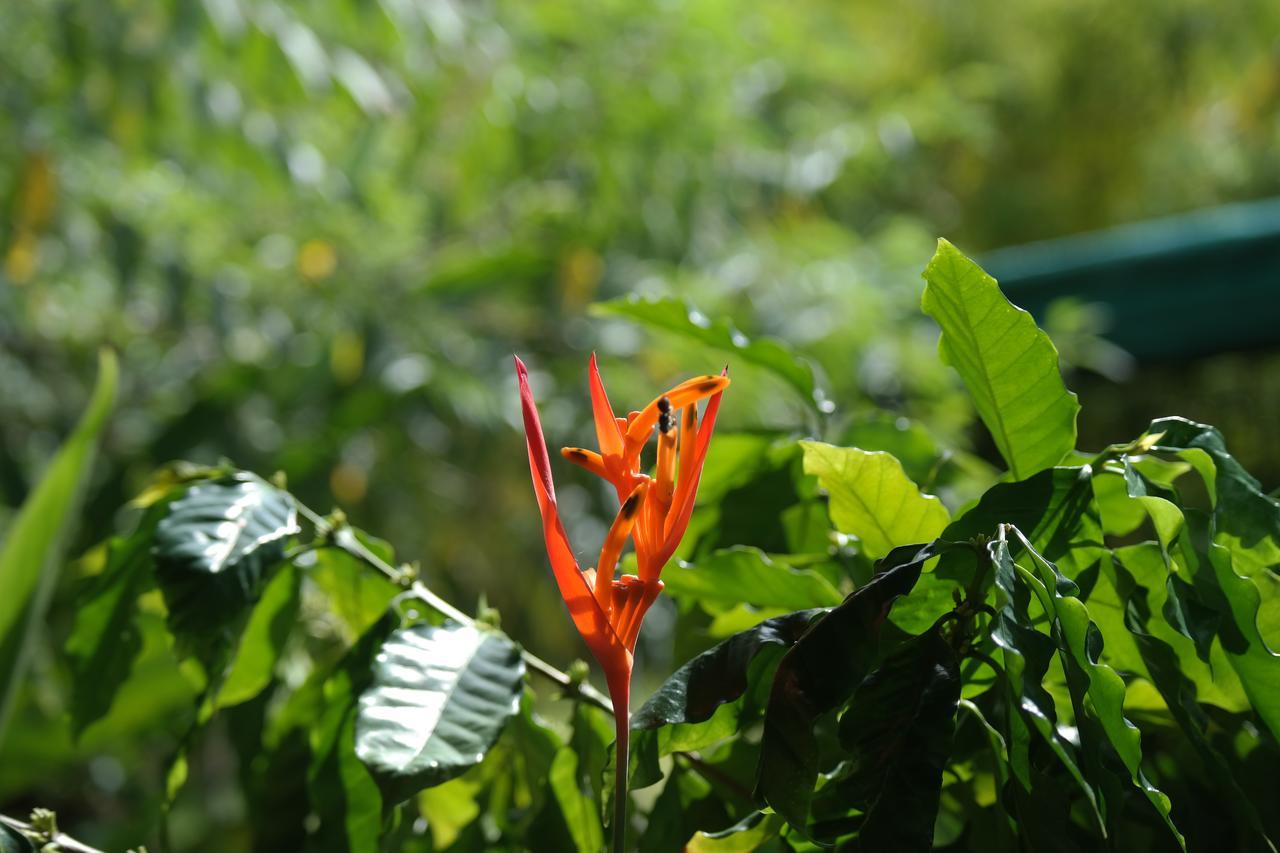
x: 580, y: 815
x: 898, y: 728
x: 818, y: 674
x: 1055, y: 508
x: 749, y: 834
x: 213, y: 549
x: 263, y: 640
x: 32, y: 552
x: 745, y: 575
x: 679, y: 318
x: 872, y: 497
x: 1081, y: 644
x: 105, y: 640
x: 1008, y: 364
x: 439, y: 700
x: 357, y: 596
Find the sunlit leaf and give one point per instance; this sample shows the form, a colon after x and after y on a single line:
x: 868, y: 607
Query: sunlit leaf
x: 749, y: 834
x: 263, y: 640
x: 576, y: 806
x: 872, y: 497
x: 749, y: 576
x: 1008, y: 364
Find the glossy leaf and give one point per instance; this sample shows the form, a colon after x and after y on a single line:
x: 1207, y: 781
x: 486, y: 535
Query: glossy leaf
x: 745, y: 575
x: 214, y: 547
x: 1008, y: 364
x: 872, y: 497
x: 677, y: 317
x: 37, y: 535
x: 898, y: 729
x: 818, y: 674
x: 439, y: 699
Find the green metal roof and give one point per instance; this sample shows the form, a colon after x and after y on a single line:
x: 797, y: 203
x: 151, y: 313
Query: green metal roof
x: 1178, y: 287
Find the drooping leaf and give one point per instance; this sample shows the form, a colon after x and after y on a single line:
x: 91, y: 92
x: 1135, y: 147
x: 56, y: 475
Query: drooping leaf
x: 29, y: 560
x: 898, y: 729
x: 872, y: 497
x: 1081, y: 643
x: 439, y: 699
x: 105, y: 640
x: 214, y: 547
x: 677, y: 317
x: 1008, y: 364
x: 818, y: 674
x: 263, y: 640
x: 743, y: 575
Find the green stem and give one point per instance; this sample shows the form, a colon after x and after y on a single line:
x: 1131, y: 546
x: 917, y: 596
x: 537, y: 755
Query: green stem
x: 622, y: 726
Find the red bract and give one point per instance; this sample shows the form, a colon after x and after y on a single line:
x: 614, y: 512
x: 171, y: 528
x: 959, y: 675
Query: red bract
x: 653, y: 510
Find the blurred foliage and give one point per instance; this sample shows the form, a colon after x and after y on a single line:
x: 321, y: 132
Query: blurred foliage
x: 315, y: 233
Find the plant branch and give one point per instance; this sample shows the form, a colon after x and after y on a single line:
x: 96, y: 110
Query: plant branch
x: 61, y: 839
x: 344, y: 538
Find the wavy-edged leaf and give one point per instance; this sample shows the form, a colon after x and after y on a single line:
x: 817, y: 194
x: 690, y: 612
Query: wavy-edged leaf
x: 818, y: 674
x: 439, y: 699
x: 29, y: 560
x: 898, y: 729
x: 1081, y: 644
x: 1008, y: 364
x: 744, y: 575
x: 213, y: 549
x: 679, y: 318
x: 872, y: 497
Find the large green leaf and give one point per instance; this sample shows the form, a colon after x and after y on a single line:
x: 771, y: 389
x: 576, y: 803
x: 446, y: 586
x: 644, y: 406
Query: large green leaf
x: 30, y: 558
x: 898, y: 729
x: 872, y: 497
x: 818, y: 674
x: 1080, y: 644
x: 744, y: 575
x: 213, y: 548
x: 1008, y: 364
x: 747, y: 835
x: 677, y: 317
x: 439, y: 700
x: 263, y: 640
x: 105, y: 640
x: 580, y: 814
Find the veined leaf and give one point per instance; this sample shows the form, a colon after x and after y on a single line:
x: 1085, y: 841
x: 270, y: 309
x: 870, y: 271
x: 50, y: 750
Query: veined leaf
x: 1008, y: 364
x: 678, y: 318
x: 818, y: 674
x: 744, y: 575
x: 213, y: 548
x: 29, y: 561
x: 872, y: 497
x: 439, y: 699
x: 898, y: 729
x: 1081, y: 644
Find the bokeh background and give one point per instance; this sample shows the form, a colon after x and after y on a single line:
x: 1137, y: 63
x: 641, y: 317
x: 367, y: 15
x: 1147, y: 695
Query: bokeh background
x: 316, y: 232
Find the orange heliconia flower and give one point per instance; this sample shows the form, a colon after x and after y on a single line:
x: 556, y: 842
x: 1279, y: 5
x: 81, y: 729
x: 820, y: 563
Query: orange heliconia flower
x: 653, y: 510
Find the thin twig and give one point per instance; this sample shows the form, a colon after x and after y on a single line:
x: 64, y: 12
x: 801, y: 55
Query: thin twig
x: 357, y: 549
x: 61, y: 839
x: 714, y: 774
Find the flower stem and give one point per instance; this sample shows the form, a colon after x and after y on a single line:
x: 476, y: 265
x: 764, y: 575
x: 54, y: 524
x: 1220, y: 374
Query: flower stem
x: 622, y: 726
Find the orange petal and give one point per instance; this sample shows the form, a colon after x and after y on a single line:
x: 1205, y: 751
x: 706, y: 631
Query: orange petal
x: 587, y: 459
x: 682, y: 505
x: 615, y: 540
x: 687, y: 392
x: 608, y: 432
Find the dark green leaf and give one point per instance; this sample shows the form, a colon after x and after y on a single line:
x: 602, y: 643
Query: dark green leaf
x: 12, y: 841
x: 898, y: 729
x: 1008, y: 364
x: 749, y: 576
x: 872, y: 498
x: 677, y: 317
x: 30, y: 558
x: 818, y: 674
x: 214, y: 547
x: 439, y: 700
